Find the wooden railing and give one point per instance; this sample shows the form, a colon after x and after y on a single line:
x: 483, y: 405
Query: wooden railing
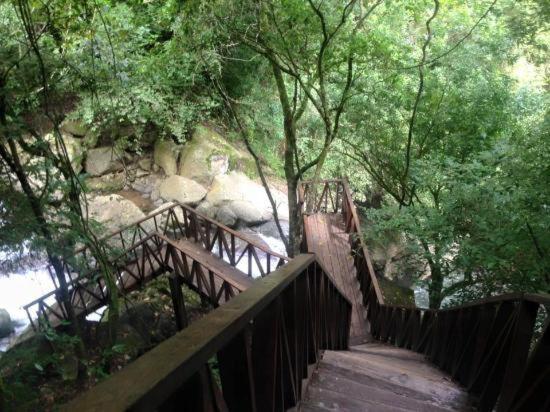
x: 137, y: 249
x: 250, y: 354
x: 498, y: 348
x: 150, y: 257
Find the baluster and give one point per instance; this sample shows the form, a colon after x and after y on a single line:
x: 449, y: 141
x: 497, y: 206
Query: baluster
x: 291, y: 372
x: 265, y: 358
x: 510, y: 363
x: 248, y: 248
x: 425, y: 331
x: 531, y: 392
x: 198, y: 393
x: 497, y: 332
x: 235, y: 362
x: 232, y: 257
x: 178, y: 301
x: 220, y: 250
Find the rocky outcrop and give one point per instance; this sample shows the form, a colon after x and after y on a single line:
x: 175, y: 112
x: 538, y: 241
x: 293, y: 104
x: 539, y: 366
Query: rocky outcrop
x: 6, y: 325
x: 181, y: 189
x: 166, y: 155
x: 112, y: 182
x: 225, y: 215
x: 102, y: 160
x: 245, y: 198
x: 113, y: 211
x: 208, y: 155
x: 74, y: 147
x: 74, y: 127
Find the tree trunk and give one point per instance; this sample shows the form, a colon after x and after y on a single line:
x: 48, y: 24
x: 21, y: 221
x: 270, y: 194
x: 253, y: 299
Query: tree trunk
x: 436, y: 286
x: 291, y: 172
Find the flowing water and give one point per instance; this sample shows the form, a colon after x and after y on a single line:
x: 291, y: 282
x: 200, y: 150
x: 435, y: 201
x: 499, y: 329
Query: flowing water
x: 18, y: 289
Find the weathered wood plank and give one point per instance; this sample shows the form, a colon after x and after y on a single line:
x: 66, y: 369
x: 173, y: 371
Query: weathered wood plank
x: 377, y: 377
x: 326, y: 237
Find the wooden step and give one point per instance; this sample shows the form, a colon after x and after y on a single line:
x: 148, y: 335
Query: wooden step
x: 378, y: 377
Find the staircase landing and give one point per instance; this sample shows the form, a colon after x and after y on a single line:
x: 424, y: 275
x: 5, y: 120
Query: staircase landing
x: 379, y: 377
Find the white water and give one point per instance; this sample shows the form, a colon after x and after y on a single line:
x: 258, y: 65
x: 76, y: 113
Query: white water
x: 18, y: 289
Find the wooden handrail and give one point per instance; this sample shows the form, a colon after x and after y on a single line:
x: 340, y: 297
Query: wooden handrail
x: 359, y: 234
x: 263, y: 341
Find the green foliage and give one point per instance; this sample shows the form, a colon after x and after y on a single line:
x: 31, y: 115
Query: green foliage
x: 471, y: 197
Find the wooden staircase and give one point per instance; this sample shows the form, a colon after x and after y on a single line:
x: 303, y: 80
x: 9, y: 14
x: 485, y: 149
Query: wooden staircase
x: 318, y: 334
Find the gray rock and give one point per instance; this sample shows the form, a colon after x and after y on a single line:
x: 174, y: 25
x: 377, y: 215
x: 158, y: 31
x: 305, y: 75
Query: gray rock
x: 246, y: 198
x: 6, y: 325
x: 113, y: 211
x: 182, y: 190
x: 141, y: 173
x: 145, y: 164
x: 226, y: 216
x: 68, y: 366
x: 75, y: 149
x: 155, y: 194
x: 248, y: 213
x: 102, y: 160
x: 205, y: 208
x: 91, y: 139
x: 270, y: 229
x: 166, y: 155
x: 112, y: 182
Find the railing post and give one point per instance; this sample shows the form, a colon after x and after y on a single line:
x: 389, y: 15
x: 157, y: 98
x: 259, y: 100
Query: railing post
x: 177, y: 301
x: 532, y: 393
x: 235, y: 359
x: 513, y: 362
x: 266, y: 357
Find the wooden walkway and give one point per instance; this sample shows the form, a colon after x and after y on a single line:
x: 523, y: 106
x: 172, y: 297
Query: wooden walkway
x: 326, y: 237
x: 369, y: 376
x: 378, y: 377
x: 197, y: 255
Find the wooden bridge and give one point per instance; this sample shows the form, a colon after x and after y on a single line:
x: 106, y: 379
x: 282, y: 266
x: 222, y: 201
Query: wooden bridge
x: 317, y: 334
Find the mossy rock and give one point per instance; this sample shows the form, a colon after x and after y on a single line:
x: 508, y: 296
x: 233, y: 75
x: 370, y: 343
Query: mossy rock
x: 395, y: 294
x: 208, y: 154
x: 107, y: 183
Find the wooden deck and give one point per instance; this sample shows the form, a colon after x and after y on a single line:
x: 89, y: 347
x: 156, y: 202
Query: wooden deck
x: 224, y: 271
x: 326, y: 237
x: 379, y: 377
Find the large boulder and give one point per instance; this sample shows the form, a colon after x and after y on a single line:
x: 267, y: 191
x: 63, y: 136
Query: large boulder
x: 182, y: 190
x: 6, y: 325
x: 246, y: 199
x: 226, y: 216
x: 113, y: 211
x: 74, y: 127
x: 75, y: 150
x: 166, y: 155
x: 208, y: 155
x: 102, y: 160
x: 112, y: 182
